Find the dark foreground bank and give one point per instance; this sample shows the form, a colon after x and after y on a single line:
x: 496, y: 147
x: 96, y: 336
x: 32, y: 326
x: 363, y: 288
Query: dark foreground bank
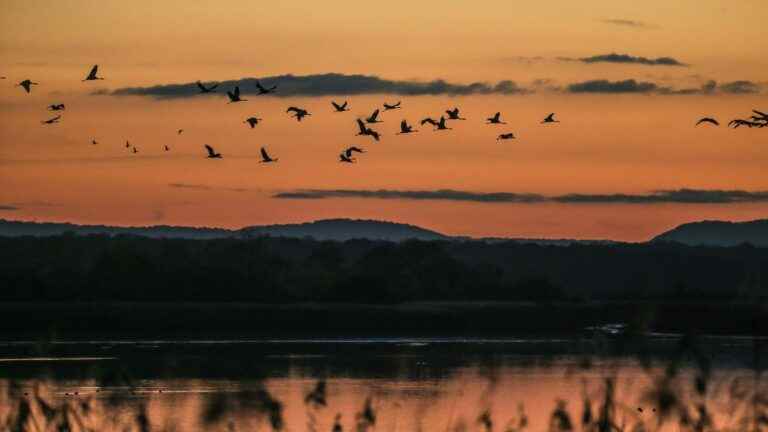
x: 250, y: 320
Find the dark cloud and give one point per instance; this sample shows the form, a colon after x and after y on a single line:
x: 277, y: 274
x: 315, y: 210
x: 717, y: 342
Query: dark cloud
x: 626, y: 58
x: 711, y: 87
x: 440, y: 194
x: 740, y: 87
x: 326, y: 85
x: 605, y: 86
x: 5, y: 207
x: 681, y: 196
x: 628, y: 23
x: 707, y: 88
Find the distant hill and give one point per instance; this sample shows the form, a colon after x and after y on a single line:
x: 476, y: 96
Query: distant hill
x: 44, y: 229
x: 330, y: 229
x: 345, y: 229
x: 718, y: 233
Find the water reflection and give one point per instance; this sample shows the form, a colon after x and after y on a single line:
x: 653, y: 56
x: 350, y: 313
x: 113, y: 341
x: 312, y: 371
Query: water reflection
x: 385, y: 386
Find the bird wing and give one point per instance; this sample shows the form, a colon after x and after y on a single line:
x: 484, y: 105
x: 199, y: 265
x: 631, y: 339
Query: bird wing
x: 237, y: 91
x: 211, y: 152
x: 361, y: 125
x: 761, y: 114
x: 403, y: 125
x: 344, y: 105
x: 258, y: 86
x: 264, y: 154
x: 93, y: 72
x: 337, y: 106
x: 294, y: 109
x: 201, y: 87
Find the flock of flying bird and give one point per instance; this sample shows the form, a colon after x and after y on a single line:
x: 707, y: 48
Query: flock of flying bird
x: 758, y: 120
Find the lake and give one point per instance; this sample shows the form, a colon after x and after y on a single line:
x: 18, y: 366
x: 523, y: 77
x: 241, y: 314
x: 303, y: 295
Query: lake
x: 385, y: 384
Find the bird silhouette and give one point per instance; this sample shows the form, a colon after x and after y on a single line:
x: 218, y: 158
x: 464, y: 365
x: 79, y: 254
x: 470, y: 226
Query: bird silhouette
x: 92, y: 74
x: 550, y: 119
x: 346, y: 159
x: 364, y: 130
x: 166, y: 148
x: 760, y: 117
x: 740, y: 122
x: 429, y: 120
x: 212, y: 153
x: 388, y: 107
x: 178, y: 132
x: 441, y: 124
x: 234, y: 95
x: 454, y: 114
x: 252, y: 121
x: 353, y: 149
x: 340, y: 108
x: 373, y: 118
x: 27, y: 84
x: 496, y: 119
x: 708, y: 120
x: 135, y: 150
x: 56, y: 107
x: 265, y: 158
x: 127, y: 144
x: 506, y: 136
x: 263, y: 91
x: 405, y: 128
x: 94, y: 142
x: 299, y: 113
x: 52, y: 120
x: 204, y: 89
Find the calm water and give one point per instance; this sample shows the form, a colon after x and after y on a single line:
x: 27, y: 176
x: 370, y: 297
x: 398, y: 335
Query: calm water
x: 412, y: 384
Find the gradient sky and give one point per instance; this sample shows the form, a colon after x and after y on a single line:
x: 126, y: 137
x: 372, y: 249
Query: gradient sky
x: 606, y: 143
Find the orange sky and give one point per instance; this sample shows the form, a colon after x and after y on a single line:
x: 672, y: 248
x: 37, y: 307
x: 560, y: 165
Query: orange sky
x: 606, y: 143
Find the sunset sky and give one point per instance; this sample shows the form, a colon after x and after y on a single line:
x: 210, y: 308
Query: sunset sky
x: 616, y: 138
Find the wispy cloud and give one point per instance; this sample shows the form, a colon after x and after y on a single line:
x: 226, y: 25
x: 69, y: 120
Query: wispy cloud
x: 194, y: 186
x: 681, y: 196
x: 627, y: 59
x: 189, y: 186
x: 628, y: 23
x: 326, y: 85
